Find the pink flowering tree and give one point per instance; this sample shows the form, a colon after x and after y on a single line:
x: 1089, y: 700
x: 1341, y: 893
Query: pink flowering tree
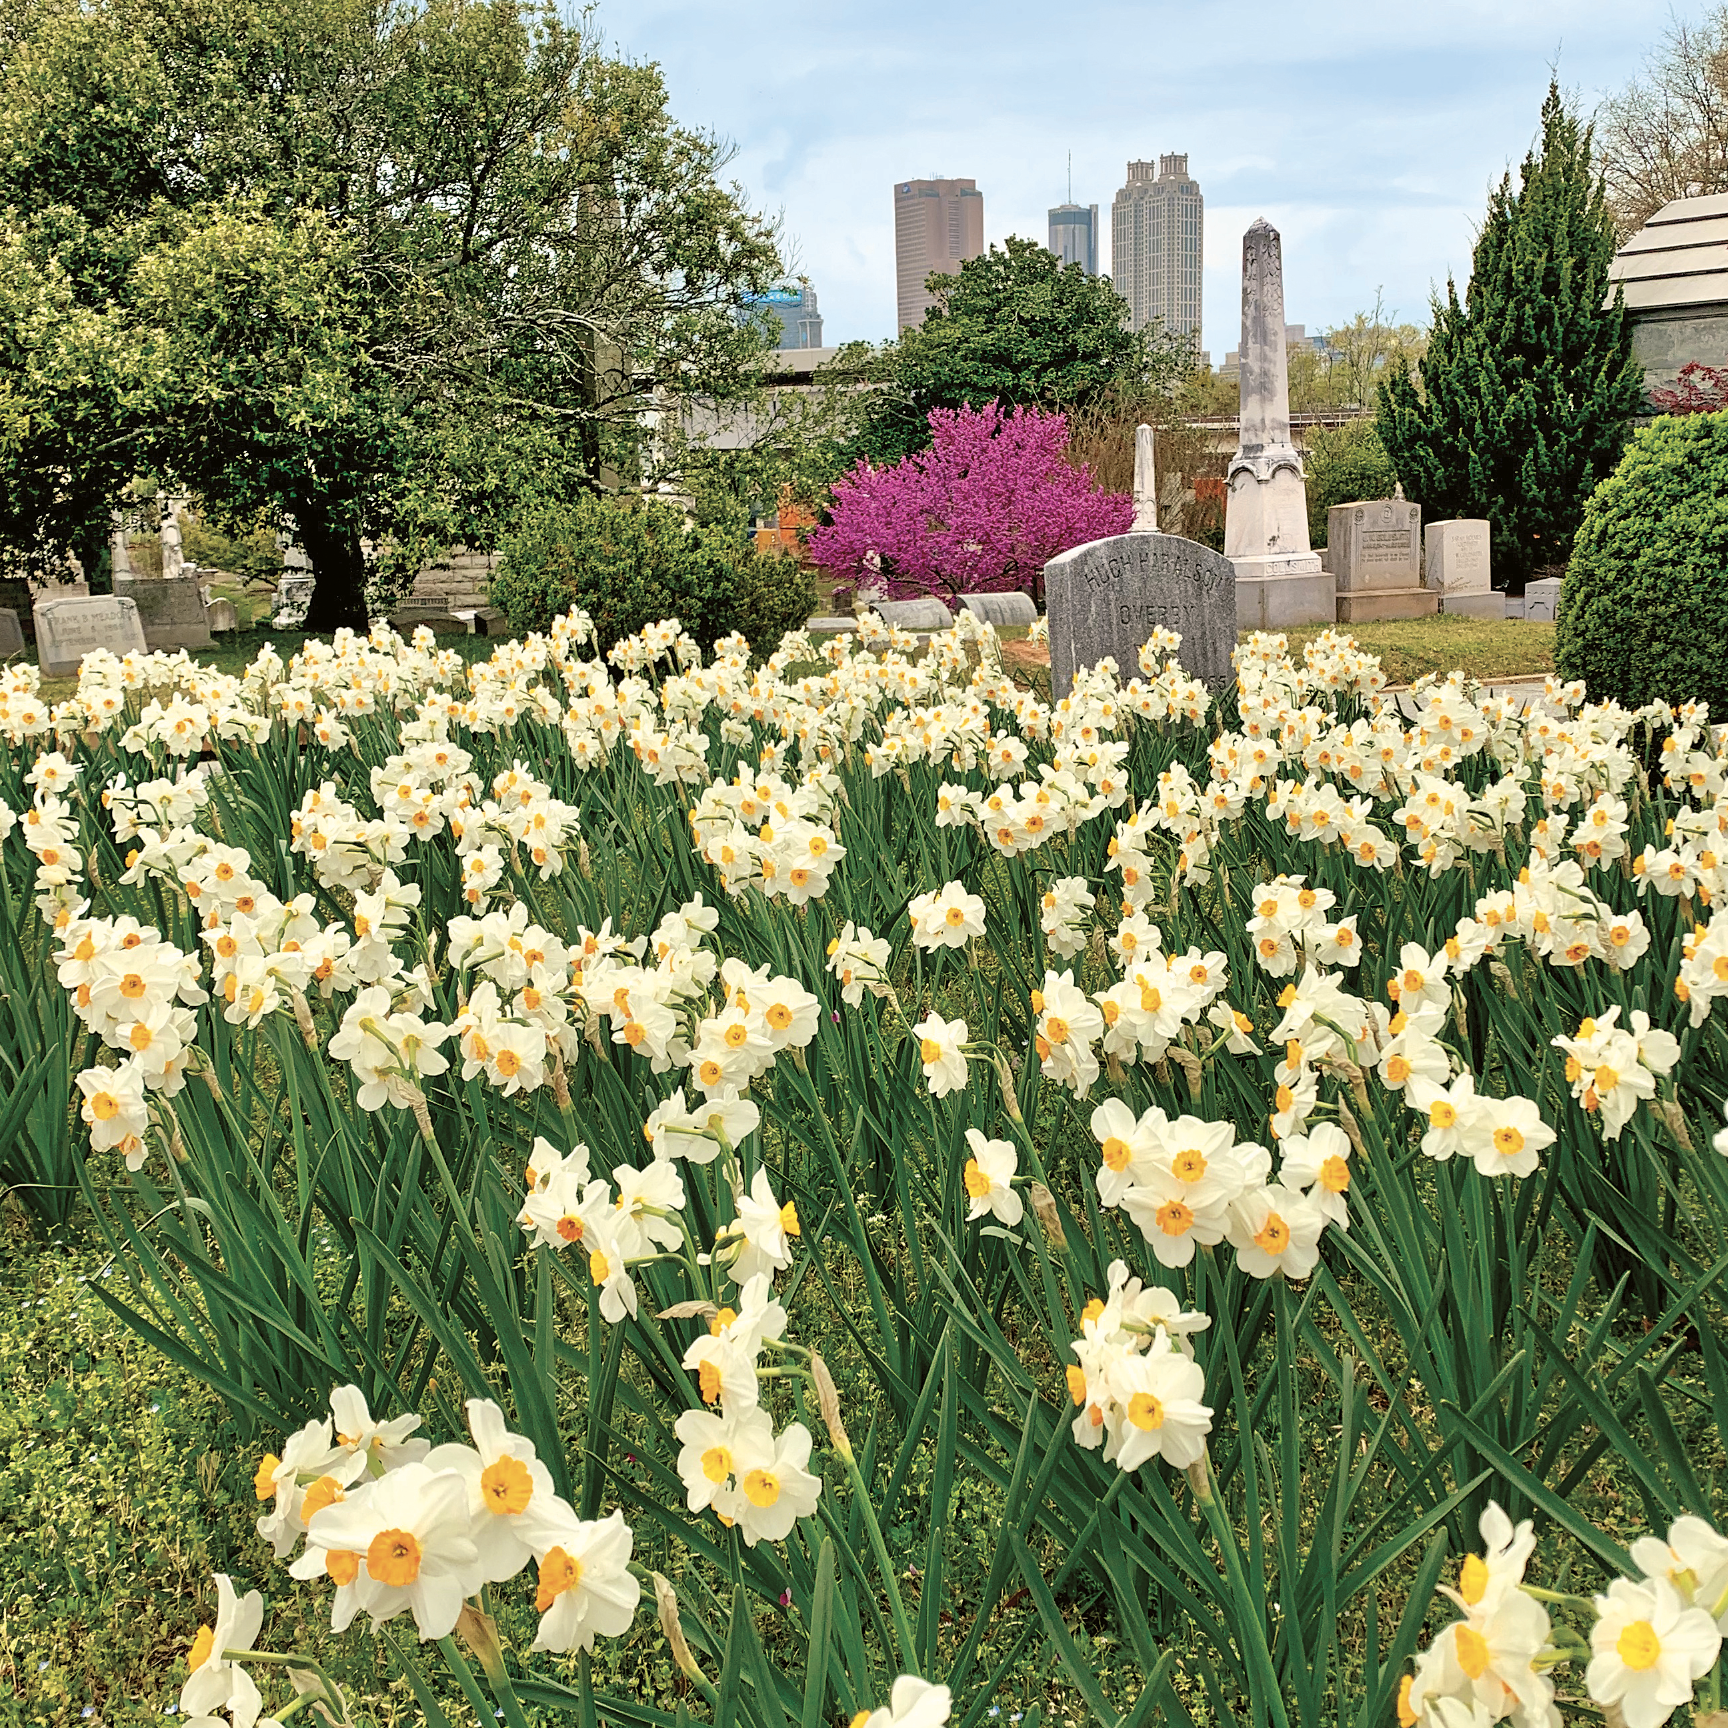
x: 980, y: 511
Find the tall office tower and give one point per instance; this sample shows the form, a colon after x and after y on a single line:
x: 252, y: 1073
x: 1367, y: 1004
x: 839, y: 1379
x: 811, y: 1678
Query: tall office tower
x: 1074, y: 235
x: 1155, y: 246
x: 938, y: 225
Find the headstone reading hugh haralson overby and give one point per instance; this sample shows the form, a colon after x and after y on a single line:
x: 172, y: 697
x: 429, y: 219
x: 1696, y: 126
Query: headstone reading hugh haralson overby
x: 1278, y: 577
x: 67, y: 630
x: 1108, y: 596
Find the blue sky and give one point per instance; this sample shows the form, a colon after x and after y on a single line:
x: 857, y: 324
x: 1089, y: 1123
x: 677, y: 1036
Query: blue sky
x: 1368, y: 133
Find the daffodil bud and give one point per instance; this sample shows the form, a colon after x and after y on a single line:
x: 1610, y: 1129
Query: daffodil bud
x: 666, y: 1605
x: 828, y: 1401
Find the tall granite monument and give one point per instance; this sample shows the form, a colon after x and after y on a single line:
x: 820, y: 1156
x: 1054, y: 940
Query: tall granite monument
x: 1108, y: 596
x: 1278, y: 577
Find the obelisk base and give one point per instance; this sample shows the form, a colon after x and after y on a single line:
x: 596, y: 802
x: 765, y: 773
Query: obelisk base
x: 1274, y: 592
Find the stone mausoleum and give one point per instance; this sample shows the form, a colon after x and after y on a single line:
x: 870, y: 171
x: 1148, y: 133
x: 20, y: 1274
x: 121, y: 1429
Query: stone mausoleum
x: 1674, y: 272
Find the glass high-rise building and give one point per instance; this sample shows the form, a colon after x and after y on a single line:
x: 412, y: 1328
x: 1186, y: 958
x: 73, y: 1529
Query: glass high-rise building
x: 1156, y: 253
x: 1074, y: 235
x: 794, y: 310
x: 938, y: 225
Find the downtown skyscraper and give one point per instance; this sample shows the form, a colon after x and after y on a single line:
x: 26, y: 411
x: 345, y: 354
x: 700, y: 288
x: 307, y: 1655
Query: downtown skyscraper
x: 938, y: 225
x: 1156, y: 255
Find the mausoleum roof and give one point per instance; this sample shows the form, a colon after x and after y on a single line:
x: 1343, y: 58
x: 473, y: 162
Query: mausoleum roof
x: 1678, y: 258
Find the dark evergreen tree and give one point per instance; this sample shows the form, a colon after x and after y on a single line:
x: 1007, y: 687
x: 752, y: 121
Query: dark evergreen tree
x: 1527, y: 389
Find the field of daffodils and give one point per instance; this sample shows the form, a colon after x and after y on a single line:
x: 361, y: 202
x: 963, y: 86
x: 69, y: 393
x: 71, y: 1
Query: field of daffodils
x: 887, y: 1185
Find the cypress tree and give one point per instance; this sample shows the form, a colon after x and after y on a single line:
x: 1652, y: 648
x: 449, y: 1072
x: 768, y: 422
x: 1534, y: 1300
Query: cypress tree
x: 1527, y: 388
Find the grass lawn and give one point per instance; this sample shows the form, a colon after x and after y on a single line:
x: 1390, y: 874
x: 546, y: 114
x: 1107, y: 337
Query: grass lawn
x: 1483, y: 648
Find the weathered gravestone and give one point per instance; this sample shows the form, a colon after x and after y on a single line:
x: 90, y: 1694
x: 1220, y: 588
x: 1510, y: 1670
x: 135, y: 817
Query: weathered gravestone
x: 11, y: 633
x: 222, y: 616
x: 1374, y: 549
x: 1008, y: 610
x: 1457, y: 568
x: 67, y: 630
x: 170, y: 609
x: 293, y: 596
x: 924, y: 613
x: 1108, y: 596
x: 1542, y: 601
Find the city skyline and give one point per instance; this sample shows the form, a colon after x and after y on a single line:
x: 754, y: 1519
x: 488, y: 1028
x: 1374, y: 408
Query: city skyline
x: 1370, y: 143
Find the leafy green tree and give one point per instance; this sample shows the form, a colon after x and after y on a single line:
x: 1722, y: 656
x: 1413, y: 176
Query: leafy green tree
x: 1526, y: 389
x: 1015, y: 326
x: 1343, y: 463
x: 368, y: 267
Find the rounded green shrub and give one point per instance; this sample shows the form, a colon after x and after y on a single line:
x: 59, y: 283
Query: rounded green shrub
x: 1644, y: 611
x: 631, y: 563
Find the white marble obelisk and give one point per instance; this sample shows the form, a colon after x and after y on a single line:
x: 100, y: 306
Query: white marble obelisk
x: 1278, y: 578
x: 1145, y: 483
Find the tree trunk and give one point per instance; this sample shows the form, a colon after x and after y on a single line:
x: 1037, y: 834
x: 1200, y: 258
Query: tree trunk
x: 339, y: 566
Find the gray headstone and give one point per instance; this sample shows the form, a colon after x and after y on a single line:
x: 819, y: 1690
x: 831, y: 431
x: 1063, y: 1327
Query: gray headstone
x: 67, y: 630
x: 222, y: 616
x: 924, y: 613
x: 1374, y: 544
x: 11, y: 633
x: 1007, y: 611
x: 1457, y: 556
x: 831, y: 626
x: 1108, y: 596
x: 171, y: 610
x: 293, y: 596
x: 1542, y: 601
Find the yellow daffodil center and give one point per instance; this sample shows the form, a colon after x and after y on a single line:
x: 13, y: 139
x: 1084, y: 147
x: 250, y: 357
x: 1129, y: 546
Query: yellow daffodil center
x: 977, y: 1183
x: 506, y: 1486
x: 264, y: 1479
x: 202, y: 1645
x: 326, y: 1491
x: 393, y: 1558
x: 1473, y: 1579
x: 1273, y: 1237
x: 1145, y: 1412
x: 761, y: 1487
x: 1175, y: 1219
x: 558, y: 1572
x: 1334, y: 1175
x: 717, y: 1463
x: 1639, y: 1646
